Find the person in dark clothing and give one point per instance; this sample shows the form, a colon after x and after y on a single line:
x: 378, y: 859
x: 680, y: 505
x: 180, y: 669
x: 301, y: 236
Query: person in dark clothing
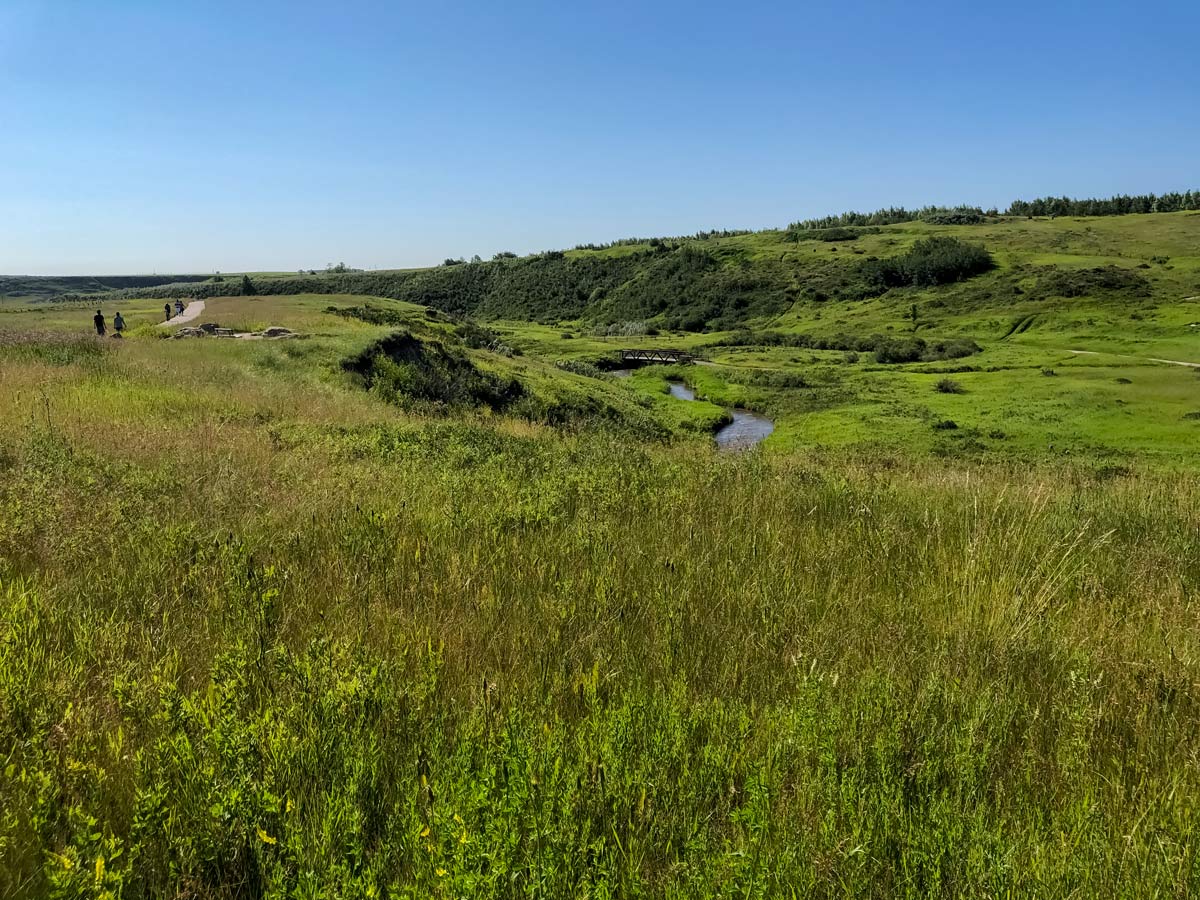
x: 167, y: 310
x: 98, y: 318
x: 118, y: 322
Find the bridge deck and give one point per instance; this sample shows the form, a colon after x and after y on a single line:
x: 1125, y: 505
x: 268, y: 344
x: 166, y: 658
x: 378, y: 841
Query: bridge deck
x: 664, y: 356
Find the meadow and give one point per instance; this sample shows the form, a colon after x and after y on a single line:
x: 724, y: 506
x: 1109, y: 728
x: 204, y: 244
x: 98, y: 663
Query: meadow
x: 270, y: 628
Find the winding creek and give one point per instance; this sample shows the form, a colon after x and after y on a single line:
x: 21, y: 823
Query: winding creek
x: 745, y: 431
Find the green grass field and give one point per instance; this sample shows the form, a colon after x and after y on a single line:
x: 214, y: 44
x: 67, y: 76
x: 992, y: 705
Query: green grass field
x: 272, y: 628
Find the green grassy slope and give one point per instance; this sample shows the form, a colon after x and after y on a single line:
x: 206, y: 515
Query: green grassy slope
x: 49, y: 287
x: 1122, y: 291
x: 264, y: 632
x: 727, y: 282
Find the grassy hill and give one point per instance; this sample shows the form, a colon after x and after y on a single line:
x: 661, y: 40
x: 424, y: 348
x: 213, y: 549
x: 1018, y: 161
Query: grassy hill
x: 422, y: 604
x: 51, y: 287
x: 724, y: 282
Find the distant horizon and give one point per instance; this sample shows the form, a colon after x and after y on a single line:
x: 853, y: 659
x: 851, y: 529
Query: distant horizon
x: 197, y: 137
x: 1002, y: 211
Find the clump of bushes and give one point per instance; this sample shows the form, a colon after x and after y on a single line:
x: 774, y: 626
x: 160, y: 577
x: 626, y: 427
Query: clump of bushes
x: 916, y: 349
x: 406, y: 370
x: 949, y: 386
x: 945, y: 425
x: 622, y: 329
x: 929, y: 262
x: 886, y: 349
x: 477, y: 337
x: 829, y: 235
x: 1059, y: 282
x: 959, y: 215
x: 579, y: 367
x: 777, y: 380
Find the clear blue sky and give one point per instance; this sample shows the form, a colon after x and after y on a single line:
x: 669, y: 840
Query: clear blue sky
x: 195, y: 135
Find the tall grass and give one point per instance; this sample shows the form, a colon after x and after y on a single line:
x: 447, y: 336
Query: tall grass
x: 296, y: 644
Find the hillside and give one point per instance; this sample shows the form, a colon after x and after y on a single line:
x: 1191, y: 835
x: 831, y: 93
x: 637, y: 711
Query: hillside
x: 1043, y: 343
x: 51, y: 287
x: 394, y: 609
x: 428, y: 603
x: 724, y: 282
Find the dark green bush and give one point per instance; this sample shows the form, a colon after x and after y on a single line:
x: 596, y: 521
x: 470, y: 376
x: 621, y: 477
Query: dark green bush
x: 407, y: 370
x: 959, y: 215
x: 929, y: 262
x: 1059, y: 282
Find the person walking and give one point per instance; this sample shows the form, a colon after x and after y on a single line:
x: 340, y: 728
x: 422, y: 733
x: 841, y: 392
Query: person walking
x: 118, y: 322
x: 179, y: 307
x: 167, y: 310
x: 98, y: 318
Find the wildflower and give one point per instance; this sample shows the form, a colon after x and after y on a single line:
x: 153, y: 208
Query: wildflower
x: 441, y: 873
x: 99, y: 869
x: 264, y: 837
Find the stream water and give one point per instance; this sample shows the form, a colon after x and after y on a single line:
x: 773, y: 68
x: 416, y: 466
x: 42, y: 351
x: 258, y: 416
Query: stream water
x: 746, y: 430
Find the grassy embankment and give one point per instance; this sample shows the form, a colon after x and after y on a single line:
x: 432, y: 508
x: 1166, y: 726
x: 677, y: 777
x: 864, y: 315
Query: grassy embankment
x: 263, y: 632
x: 1124, y: 288
x: 1027, y: 394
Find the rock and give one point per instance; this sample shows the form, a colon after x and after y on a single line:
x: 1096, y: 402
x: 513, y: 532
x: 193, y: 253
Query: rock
x: 276, y: 331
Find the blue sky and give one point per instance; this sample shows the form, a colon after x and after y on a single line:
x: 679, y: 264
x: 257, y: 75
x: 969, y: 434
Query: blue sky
x: 189, y: 136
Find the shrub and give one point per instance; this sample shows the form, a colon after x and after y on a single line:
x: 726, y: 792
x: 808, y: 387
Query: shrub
x: 829, y: 235
x: 886, y: 349
x: 945, y: 425
x: 1059, y: 282
x: 949, y: 386
x: 932, y: 261
x: 579, y: 367
x: 960, y: 215
x: 405, y: 369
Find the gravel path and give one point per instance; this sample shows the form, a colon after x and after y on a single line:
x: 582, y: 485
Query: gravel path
x: 192, y: 310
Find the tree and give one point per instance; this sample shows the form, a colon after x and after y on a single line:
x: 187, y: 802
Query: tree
x: 247, y: 286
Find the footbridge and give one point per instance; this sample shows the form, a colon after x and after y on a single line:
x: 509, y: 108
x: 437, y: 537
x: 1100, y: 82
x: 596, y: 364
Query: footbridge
x: 656, y: 356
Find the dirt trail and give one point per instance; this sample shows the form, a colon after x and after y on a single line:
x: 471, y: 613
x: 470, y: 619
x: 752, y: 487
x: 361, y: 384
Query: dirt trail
x: 1169, y: 362
x: 191, y: 312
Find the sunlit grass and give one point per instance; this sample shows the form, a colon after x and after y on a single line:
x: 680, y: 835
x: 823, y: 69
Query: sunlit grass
x: 262, y: 634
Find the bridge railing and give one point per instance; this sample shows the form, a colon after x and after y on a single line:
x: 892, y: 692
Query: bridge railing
x: 655, y: 355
